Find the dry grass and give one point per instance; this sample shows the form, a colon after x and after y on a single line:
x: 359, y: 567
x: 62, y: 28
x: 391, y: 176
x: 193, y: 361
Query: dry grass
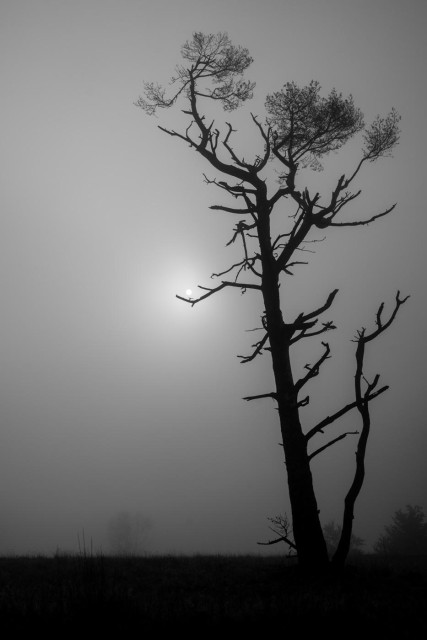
x: 75, y: 594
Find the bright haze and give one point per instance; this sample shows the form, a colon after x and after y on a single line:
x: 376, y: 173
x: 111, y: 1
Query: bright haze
x: 115, y: 395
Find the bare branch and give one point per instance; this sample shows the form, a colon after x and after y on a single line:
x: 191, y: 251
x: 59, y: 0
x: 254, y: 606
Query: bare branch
x: 281, y: 539
x: 320, y: 310
x: 383, y: 326
x: 263, y: 161
x: 338, y: 414
x: 297, y: 236
x: 218, y: 207
x: 330, y: 443
x: 326, y: 215
x: 185, y: 137
x: 359, y: 223
x: 302, y: 318
x: 241, y: 285
x: 239, y: 229
x: 262, y: 395
x: 224, y: 284
x: 193, y: 301
x: 240, y: 163
x: 313, y: 370
x: 292, y: 264
x: 233, y: 266
x: 258, y: 349
x: 326, y: 326
x: 282, y: 528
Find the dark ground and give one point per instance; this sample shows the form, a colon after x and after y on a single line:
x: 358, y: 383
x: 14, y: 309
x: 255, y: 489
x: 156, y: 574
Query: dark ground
x: 207, y: 595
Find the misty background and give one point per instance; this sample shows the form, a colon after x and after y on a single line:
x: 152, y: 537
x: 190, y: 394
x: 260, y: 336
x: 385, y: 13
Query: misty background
x: 114, y: 395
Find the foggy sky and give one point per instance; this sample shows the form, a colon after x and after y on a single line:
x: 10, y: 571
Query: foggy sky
x: 116, y: 396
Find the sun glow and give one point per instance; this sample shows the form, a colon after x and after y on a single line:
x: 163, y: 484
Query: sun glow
x: 188, y: 292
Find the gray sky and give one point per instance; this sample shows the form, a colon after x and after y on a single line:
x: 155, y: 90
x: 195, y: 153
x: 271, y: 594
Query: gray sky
x: 113, y: 394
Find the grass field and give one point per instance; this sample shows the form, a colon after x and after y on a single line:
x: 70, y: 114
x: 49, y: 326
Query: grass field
x: 207, y: 595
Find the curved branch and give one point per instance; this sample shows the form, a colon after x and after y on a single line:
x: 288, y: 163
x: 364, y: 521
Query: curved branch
x: 224, y: 284
x: 236, y: 160
x: 363, y: 408
x: 383, y: 326
x: 258, y: 349
x: 359, y: 223
x: 303, y: 317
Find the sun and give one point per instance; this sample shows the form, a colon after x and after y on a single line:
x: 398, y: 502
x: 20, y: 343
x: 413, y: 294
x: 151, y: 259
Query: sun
x: 188, y: 293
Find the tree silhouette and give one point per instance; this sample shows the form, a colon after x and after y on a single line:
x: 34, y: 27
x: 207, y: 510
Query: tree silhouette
x: 127, y: 532
x: 407, y: 535
x: 300, y: 129
x: 332, y: 533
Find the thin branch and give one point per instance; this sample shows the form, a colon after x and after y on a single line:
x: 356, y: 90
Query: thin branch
x: 218, y: 207
x: 266, y: 136
x: 185, y: 137
x: 326, y: 326
x: 262, y: 395
x: 241, y: 285
x: 250, y: 261
x: 313, y: 370
x: 281, y: 539
x: 383, y: 326
x: 233, y: 266
x: 240, y: 163
x: 236, y: 191
x: 258, y: 349
x: 292, y: 264
x: 282, y: 528
x: 338, y: 414
x: 239, y: 229
x: 358, y: 223
x: 302, y: 318
x: 224, y: 284
x: 331, y: 442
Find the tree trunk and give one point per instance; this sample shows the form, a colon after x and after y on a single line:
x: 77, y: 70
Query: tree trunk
x: 308, y: 535
x: 311, y: 546
x: 343, y: 548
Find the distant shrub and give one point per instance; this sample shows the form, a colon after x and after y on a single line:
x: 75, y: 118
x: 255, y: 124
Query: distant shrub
x: 332, y: 535
x: 127, y: 533
x: 407, y: 535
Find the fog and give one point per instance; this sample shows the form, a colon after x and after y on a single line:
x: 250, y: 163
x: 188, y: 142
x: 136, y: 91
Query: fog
x: 114, y: 395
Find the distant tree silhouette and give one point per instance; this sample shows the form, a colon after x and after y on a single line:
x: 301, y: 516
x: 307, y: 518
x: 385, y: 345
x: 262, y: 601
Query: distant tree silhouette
x: 332, y: 533
x: 300, y: 129
x: 407, y: 535
x: 126, y: 533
